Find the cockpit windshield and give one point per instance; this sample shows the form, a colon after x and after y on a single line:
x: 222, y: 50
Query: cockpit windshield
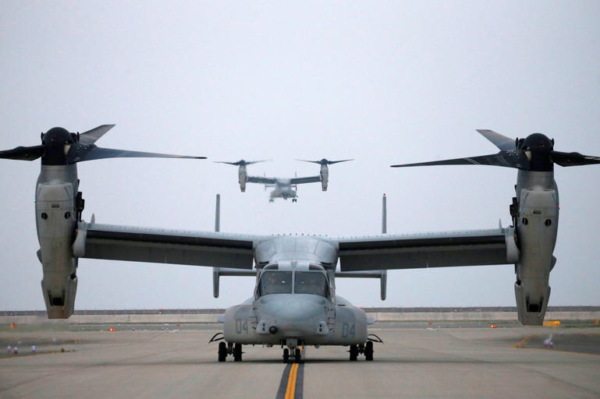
x: 275, y: 283
x: 310, y: 283
x: 280, y: 282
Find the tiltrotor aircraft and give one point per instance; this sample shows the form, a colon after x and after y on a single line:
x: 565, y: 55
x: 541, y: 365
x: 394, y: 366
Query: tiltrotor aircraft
x: 283, y: 187
x: 294, y: 302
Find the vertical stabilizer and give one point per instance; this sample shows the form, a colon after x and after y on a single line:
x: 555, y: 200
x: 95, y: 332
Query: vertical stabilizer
x: 217, y: 229
x: 384, y: 216
x: 218, y: 214
x: 383, y: 279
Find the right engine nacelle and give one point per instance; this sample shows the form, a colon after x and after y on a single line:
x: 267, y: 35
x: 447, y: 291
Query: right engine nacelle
x: 324, y: 177
x: 242, y: 178
x: 56, y: 220
x: 537, y: 228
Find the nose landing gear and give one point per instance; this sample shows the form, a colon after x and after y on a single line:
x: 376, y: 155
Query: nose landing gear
x: 296, y: 352
x: 286, y: 355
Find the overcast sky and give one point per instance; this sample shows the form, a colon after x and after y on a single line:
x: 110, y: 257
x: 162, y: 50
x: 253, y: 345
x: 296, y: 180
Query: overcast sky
x: 383, y: 82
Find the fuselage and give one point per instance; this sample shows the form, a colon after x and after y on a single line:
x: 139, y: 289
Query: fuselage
x: 283, y: 189
x: 294, y: 300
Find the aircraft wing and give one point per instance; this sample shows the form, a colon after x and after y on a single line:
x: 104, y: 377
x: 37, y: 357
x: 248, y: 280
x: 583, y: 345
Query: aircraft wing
x: 463, y: 248
x: 261, y: 180
x: 302, y: 180
x: 195, y: 248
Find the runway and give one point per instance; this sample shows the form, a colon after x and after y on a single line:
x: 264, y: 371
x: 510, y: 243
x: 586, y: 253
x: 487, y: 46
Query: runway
x: 413, y: 363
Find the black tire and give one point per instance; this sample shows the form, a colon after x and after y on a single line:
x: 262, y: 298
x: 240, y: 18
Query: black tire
x: 286, y: 355
x: 298, y: 355
x: 237, y: 352
x: 369, y: 351
x: 222, y: 351
x: 353, y: 353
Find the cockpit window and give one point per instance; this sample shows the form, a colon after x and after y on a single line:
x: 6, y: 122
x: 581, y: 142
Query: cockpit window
x: 311, y: 283
x: 275, y: 283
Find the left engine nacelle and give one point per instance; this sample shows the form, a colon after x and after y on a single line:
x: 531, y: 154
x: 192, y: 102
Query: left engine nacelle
x: 56, y: 219
x: 537, y: 231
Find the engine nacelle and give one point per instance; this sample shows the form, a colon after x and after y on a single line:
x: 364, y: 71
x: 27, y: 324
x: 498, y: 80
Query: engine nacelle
x: 324, y: 177
x: 537, y: 229
x: 56, y: 218
x: 242, y: 177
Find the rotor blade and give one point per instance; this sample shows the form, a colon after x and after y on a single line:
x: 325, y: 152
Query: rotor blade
x: 502, y: 142
x: 241, y: 162
x: 263, y: 160
x: 503, y: 158
x: 343, y: 160
x: 304, y: 160
x: 573, y: 158
x: 80, y: 153
x: 24, y: 153
x: 228, y: 163
x: 91, y: 136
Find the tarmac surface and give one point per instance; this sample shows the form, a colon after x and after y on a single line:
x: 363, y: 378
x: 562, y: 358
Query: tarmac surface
x: 158, y: 361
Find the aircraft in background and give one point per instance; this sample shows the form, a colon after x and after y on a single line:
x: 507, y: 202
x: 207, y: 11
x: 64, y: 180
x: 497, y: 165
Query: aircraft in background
x: 295, y: 302
x: 283, y: 187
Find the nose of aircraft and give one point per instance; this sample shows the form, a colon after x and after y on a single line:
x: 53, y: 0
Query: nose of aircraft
x: 296, y: 314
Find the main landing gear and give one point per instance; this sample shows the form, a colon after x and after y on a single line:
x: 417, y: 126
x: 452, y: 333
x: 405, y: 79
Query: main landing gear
x: 366, y: 348
x: 230, y: 349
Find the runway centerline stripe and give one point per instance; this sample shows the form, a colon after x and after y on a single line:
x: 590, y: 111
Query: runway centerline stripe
x: 292, y: 381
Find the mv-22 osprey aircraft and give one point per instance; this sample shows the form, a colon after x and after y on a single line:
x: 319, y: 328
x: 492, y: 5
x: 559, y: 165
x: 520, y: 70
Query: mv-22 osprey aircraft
x: 283, y: 187
x: 294, y: 302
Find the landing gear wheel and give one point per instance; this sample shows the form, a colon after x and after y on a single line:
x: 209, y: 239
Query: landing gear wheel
x: 286, y: 355
x: 369, y: 351
x: 298, y: 355
x: 222, y: 351
x: 237, y: 352
x: 353, y: 353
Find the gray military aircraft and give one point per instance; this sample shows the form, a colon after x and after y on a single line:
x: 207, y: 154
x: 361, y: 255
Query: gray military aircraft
x: 294, y: 301
x: 283, y: 187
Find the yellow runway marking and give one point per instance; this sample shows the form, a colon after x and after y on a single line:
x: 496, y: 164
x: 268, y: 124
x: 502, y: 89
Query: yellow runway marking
x: 291, y: 389
x: 290, y: 393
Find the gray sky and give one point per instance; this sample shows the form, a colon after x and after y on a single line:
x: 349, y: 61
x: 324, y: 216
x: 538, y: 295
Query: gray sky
x: 382, y: 82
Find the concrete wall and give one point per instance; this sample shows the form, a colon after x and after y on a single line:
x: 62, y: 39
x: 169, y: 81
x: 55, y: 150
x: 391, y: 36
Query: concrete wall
x: 379, y: 316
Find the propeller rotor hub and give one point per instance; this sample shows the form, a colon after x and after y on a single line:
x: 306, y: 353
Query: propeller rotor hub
x: 57, y: 142
x: 537, y: 148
